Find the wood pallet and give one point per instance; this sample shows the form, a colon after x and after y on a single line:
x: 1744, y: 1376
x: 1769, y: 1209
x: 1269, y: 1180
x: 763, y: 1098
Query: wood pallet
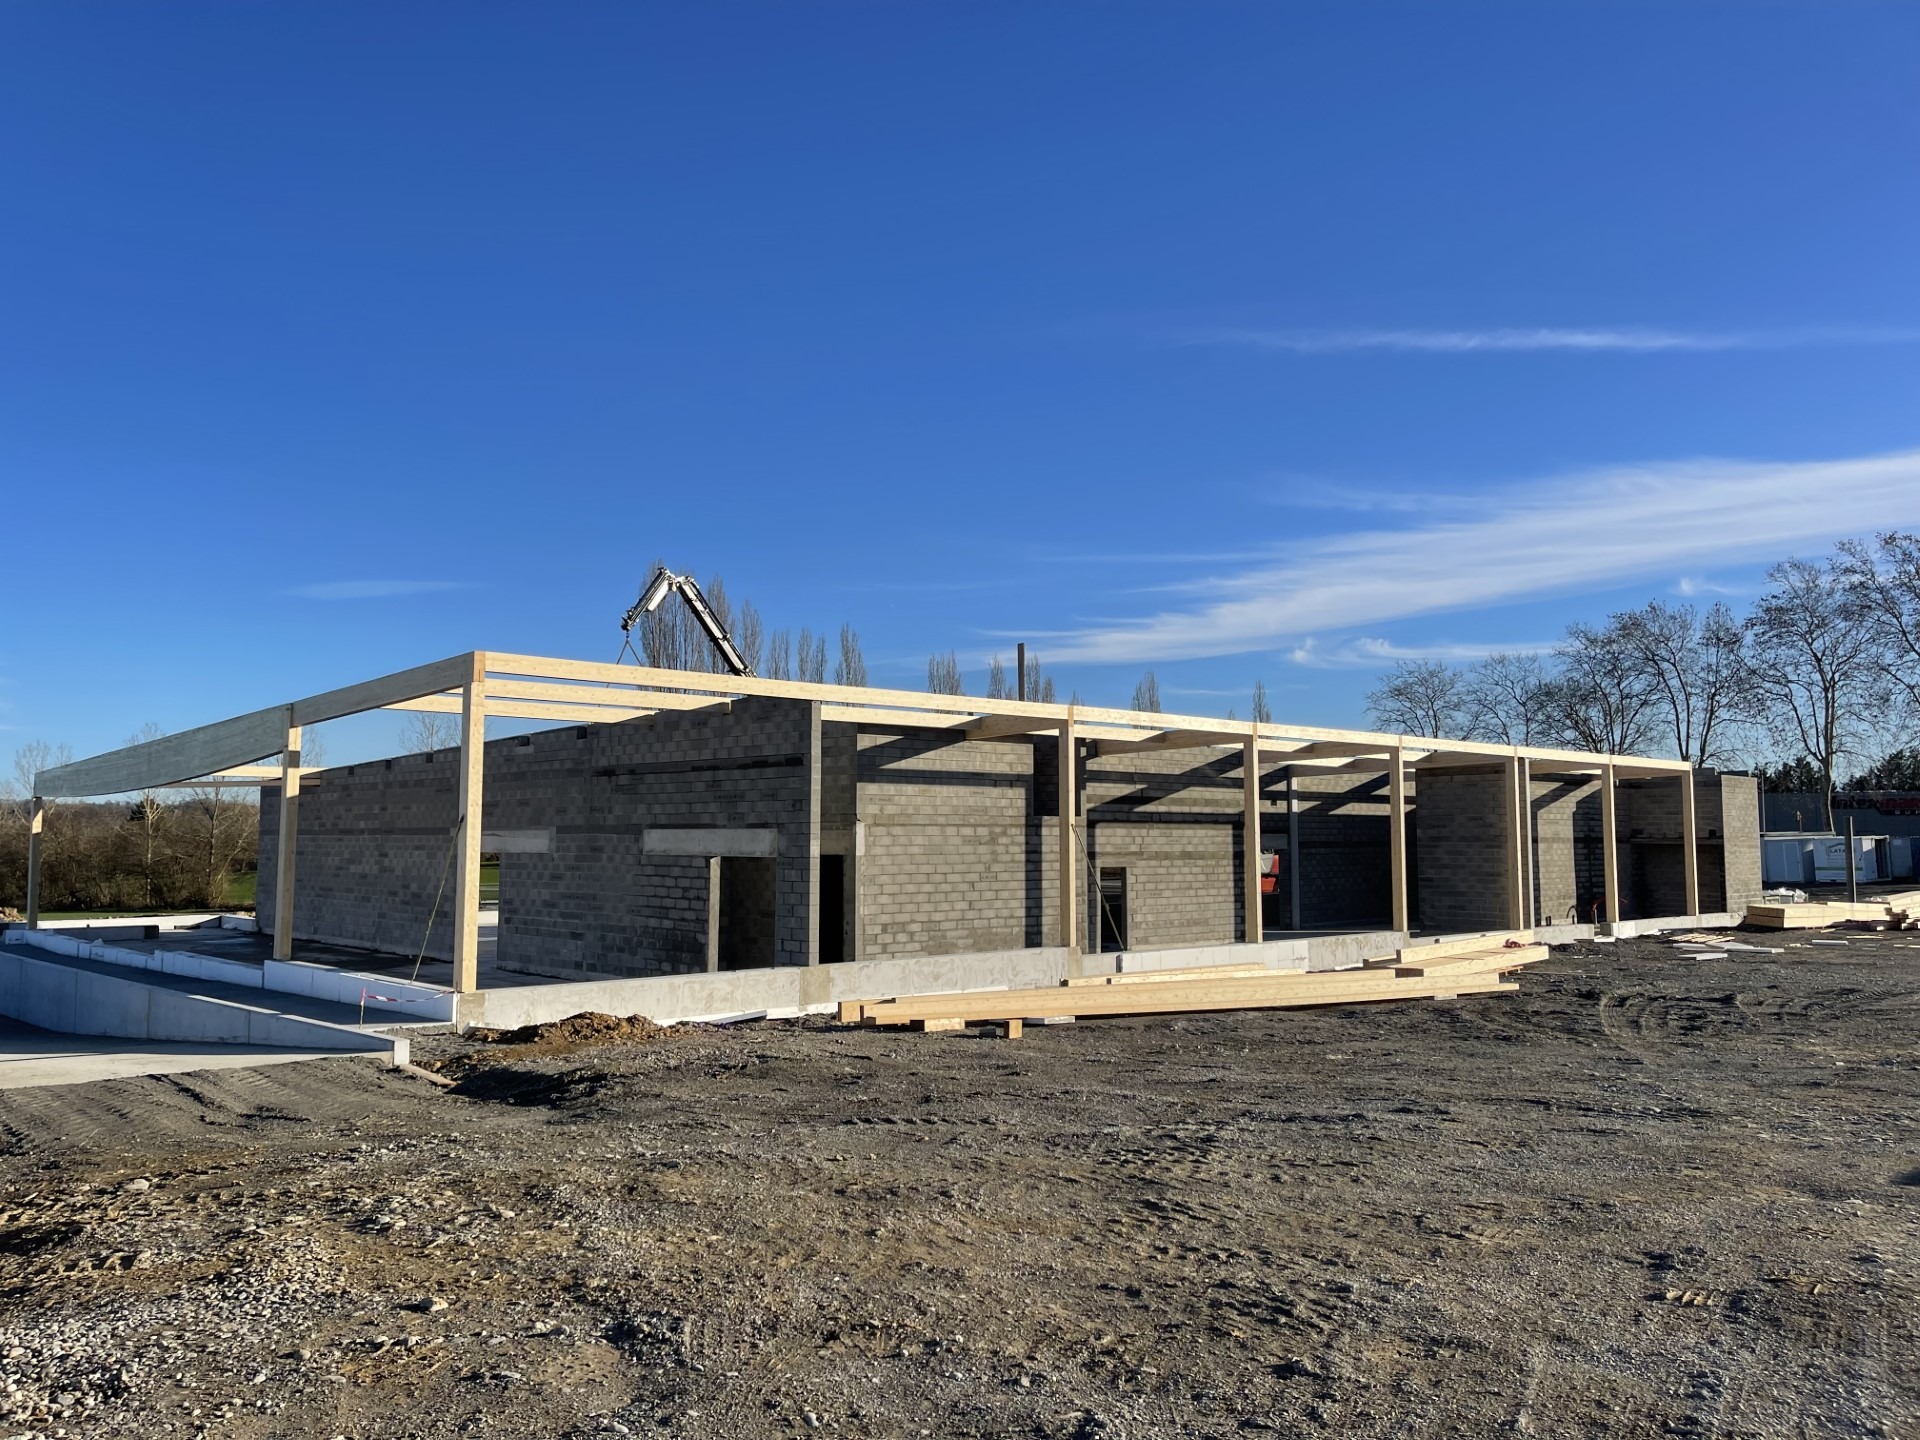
x: 1899, y: 912
x: 1464, y: 971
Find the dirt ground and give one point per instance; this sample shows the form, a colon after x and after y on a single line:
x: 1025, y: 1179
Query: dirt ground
x: 1647, y: 1195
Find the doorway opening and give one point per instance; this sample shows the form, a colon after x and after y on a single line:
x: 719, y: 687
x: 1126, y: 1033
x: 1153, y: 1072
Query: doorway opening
x: 833, y: 909
x: 743, y: 911
x: 1113, y: 909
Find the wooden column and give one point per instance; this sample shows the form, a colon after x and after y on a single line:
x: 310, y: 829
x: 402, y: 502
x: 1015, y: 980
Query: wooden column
x: 1609, y: 845
x: 36, y: 828
x: 1250, y: 930
x: 1690, y: 842
x: 287, y: 858
x: 713, y: 913
x: 1529, y: 859
x: 466, y: 872
x: 1516, y: 868
x: 1397, y: 833
x: 1293, y: 852
x: 1070, y: 861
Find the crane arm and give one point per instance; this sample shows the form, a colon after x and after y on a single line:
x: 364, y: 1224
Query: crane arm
x: 664, y: 581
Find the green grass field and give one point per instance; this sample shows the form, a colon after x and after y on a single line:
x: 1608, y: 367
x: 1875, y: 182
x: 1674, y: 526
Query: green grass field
x: 241, y: 893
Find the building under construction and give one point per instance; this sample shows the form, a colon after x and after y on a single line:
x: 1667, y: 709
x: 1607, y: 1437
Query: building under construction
x: 672, y: 823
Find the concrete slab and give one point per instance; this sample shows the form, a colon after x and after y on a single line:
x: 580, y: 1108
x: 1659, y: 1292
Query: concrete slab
x: 30, y: 1058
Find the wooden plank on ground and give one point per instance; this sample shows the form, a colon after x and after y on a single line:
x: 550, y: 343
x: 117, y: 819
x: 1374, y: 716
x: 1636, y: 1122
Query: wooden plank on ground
x: 1197, y: 972
x: 1153, y: 1001
x: 1227, y: 993
x: 1464, y: 945
x: 1485, y: 960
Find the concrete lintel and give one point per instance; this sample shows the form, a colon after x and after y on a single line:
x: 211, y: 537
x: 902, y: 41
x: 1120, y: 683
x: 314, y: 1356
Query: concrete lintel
x: 704, y: 842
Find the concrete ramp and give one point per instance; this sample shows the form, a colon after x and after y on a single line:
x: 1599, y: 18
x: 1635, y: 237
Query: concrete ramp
x: 78, y: 995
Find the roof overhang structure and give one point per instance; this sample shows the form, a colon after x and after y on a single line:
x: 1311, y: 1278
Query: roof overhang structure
x: 572, y: 692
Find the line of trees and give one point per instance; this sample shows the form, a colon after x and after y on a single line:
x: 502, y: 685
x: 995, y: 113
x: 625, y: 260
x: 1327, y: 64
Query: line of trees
x: 162, y: 850
x: 1823, y: 670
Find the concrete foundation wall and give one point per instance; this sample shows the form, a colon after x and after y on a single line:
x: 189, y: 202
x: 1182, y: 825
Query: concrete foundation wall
x: 83, y: 1002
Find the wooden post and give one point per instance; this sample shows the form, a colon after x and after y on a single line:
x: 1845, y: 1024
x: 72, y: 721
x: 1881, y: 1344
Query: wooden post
x: 1609, y: 845
x: 1690, y: 841
x: 1397, y: 834
x: 1251, y: 930
x: 1070, y: 917
x: 1293, y: 853
x: 1528, y: 858
x: 466, y: 873
x: 286, y: 858
x: 713, y: 913
x: 1516, y: 870
x: 36, y: 827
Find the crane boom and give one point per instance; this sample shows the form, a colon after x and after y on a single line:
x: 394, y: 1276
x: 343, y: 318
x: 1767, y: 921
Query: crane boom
x: 663, y: 583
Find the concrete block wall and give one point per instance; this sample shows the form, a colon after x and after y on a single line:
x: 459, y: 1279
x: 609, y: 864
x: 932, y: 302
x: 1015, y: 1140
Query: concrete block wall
x: 1462, y: 824
x: 1569, y: 871
x: 957, y: 848
x: 1173, y: 819
x: 374, y: 839
x: 1736, y: 813
x: 1726, y: 813
x: 374, y: 850
x: 1346, y: 864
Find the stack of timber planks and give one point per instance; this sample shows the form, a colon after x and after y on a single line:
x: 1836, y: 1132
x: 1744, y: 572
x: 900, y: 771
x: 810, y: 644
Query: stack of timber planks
x: 1424, y: 972
x: 1894, y: 912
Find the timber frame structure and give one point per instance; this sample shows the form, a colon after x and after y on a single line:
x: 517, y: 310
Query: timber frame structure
x: 480, y: 684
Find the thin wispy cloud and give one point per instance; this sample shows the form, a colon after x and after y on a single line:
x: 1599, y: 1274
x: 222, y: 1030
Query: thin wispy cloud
x: 1534, y: 339
x: 1557, y: 537
x: 1363, y: 652
x: 373, y: 589
x: 1693, y: 586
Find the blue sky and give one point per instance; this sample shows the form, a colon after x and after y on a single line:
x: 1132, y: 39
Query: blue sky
x: 1238, y: 341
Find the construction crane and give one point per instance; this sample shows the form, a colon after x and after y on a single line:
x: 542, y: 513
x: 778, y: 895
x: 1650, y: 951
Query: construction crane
x: 651, y: 598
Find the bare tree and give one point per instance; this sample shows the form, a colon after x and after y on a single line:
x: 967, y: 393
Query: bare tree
x: 1601, y: 698
x: 313, y: 748
x: 1504, y: 698
x: 28, y: 761
x: 748, y: 636
x: 1146, y: 693
x: 851, y: 667
x: 1419, y: 697
x: 1261, y: 715
x: 1696, y: 668
x: 228, y: 823
x: 813, y: 658
x: 943, y: 675
x: 1039, y: 684
x: 779, y: 656
x: 1821, y: 662
x: 423, y: 733
x: 997, y: 687
x: 147, y: 820
x: 1885, y: 580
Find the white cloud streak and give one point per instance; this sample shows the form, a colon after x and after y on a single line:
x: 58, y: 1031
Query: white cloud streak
x: 1534, y: 339
x: 372, y: 589
x: 1559, y: 536
x: 1362, y: 652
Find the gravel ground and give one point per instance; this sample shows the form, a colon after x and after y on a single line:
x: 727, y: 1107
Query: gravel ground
x: 1648, y: 1195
